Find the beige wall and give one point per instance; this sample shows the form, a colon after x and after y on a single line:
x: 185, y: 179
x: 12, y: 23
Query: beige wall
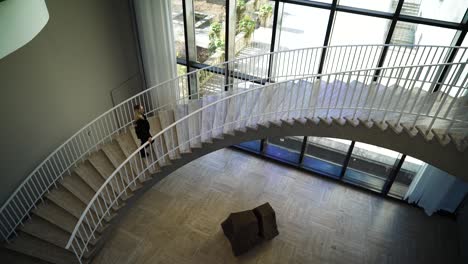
x: 61, y: 80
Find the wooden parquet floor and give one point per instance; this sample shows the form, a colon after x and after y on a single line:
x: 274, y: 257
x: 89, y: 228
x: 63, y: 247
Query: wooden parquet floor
x: 320, y: 221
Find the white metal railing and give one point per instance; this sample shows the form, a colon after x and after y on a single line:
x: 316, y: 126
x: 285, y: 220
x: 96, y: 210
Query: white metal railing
x: 243, y: 72
x: 337, y: 95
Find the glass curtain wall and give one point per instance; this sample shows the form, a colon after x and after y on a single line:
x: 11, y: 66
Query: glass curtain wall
x: 293, y: 33
x: 380, y: 5
x: 409, y: 169
x: 252, y: 40
x: 326, y: 155
x: 448, y: 10
x: 302, y: 24
x: 370, y: 166
x: 260, y: 28
x: 210, y: 23
x: 287, y: 149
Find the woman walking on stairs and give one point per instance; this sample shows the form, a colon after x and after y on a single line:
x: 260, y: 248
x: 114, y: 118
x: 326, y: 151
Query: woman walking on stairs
x: 142, y: 128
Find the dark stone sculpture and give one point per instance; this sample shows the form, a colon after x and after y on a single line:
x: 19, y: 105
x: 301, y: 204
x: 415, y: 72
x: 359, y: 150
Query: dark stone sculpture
x: 242, y: 231
x: 246, y: 229
x: 266, y: 221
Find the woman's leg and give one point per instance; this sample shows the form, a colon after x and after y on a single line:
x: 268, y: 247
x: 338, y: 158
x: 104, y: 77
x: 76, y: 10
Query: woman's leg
x: 142, y: 151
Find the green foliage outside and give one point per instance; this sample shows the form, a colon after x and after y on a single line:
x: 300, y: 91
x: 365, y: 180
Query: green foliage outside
x: 265, y: 12
x: 240, y: 8
x: 247, y: 25
x: 216, y: 43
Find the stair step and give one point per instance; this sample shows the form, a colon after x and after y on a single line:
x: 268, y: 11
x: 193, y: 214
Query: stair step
x: 287, y: 121
x: 301, y: 120
x: 105, y: 168
x: 326, y: 120
x: 221, y: 113
x: 412, y: 132
x: 166, y: 117
x: 194, y: 123
x: 91, y: 176
x: 11, y: 256
x: 441, y: 136
x: 276, y: 123
x: 424, y: 132
x: 117, y: 157
x: 208, y: 117
x: 339, y: 121
x: 265, y: 125
x: 313, y: 120
x: 128, y: 147
x: 56, y: 215
x: 75, y: 185
x: 459, y: 141
x: 397, y: 128
x: 381, y: 125
x: 253, y: 127
x: 44, y: 230
x: 66, y: 200
x: 352, y: 122
x: 59, y: 217
x: 159, y: 145
x: 366, y: 123
x: 40, y: 249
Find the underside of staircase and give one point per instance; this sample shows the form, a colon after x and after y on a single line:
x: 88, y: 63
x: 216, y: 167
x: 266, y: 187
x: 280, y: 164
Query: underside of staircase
x: 44, y: 235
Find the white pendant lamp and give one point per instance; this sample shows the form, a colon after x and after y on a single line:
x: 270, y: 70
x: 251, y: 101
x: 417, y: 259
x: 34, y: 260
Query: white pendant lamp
x: 20, y: 22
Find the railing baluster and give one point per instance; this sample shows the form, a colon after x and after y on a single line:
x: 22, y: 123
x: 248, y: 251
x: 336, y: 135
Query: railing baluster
x: 410, y: 93
x: 453, y: 81
x: 376, y: 87
x: 392, y: 95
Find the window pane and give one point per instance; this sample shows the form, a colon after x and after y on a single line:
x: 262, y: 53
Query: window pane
x: 448, y: 10
x: 370, y: 166
x: 209, y: 82
x: 379, y: 5
x: 254, y: 28
x: 251, y: 145
x: 294, y: 33
x: 355, y: 29
x: 210, y: 18
x: 181, y: 70
x: 178, y: 24
x: 284, y: 148
x: 358, y: 29
x: 405, y: 176
x: 417, y: 34
x: 326, y: 155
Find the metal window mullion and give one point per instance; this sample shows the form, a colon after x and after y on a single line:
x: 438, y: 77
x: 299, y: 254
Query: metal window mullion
x: 326, y: 41
x: 347, y: 159
x: 392, y: 177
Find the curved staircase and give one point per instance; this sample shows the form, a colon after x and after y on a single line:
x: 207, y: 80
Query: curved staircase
x: 63, y: 212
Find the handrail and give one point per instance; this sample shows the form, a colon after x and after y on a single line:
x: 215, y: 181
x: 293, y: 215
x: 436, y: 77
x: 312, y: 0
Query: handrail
x: 81, y: 143
x: 415, y: 71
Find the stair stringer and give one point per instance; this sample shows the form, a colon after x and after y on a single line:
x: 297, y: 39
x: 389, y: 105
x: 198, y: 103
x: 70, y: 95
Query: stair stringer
x: 446, y: 157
